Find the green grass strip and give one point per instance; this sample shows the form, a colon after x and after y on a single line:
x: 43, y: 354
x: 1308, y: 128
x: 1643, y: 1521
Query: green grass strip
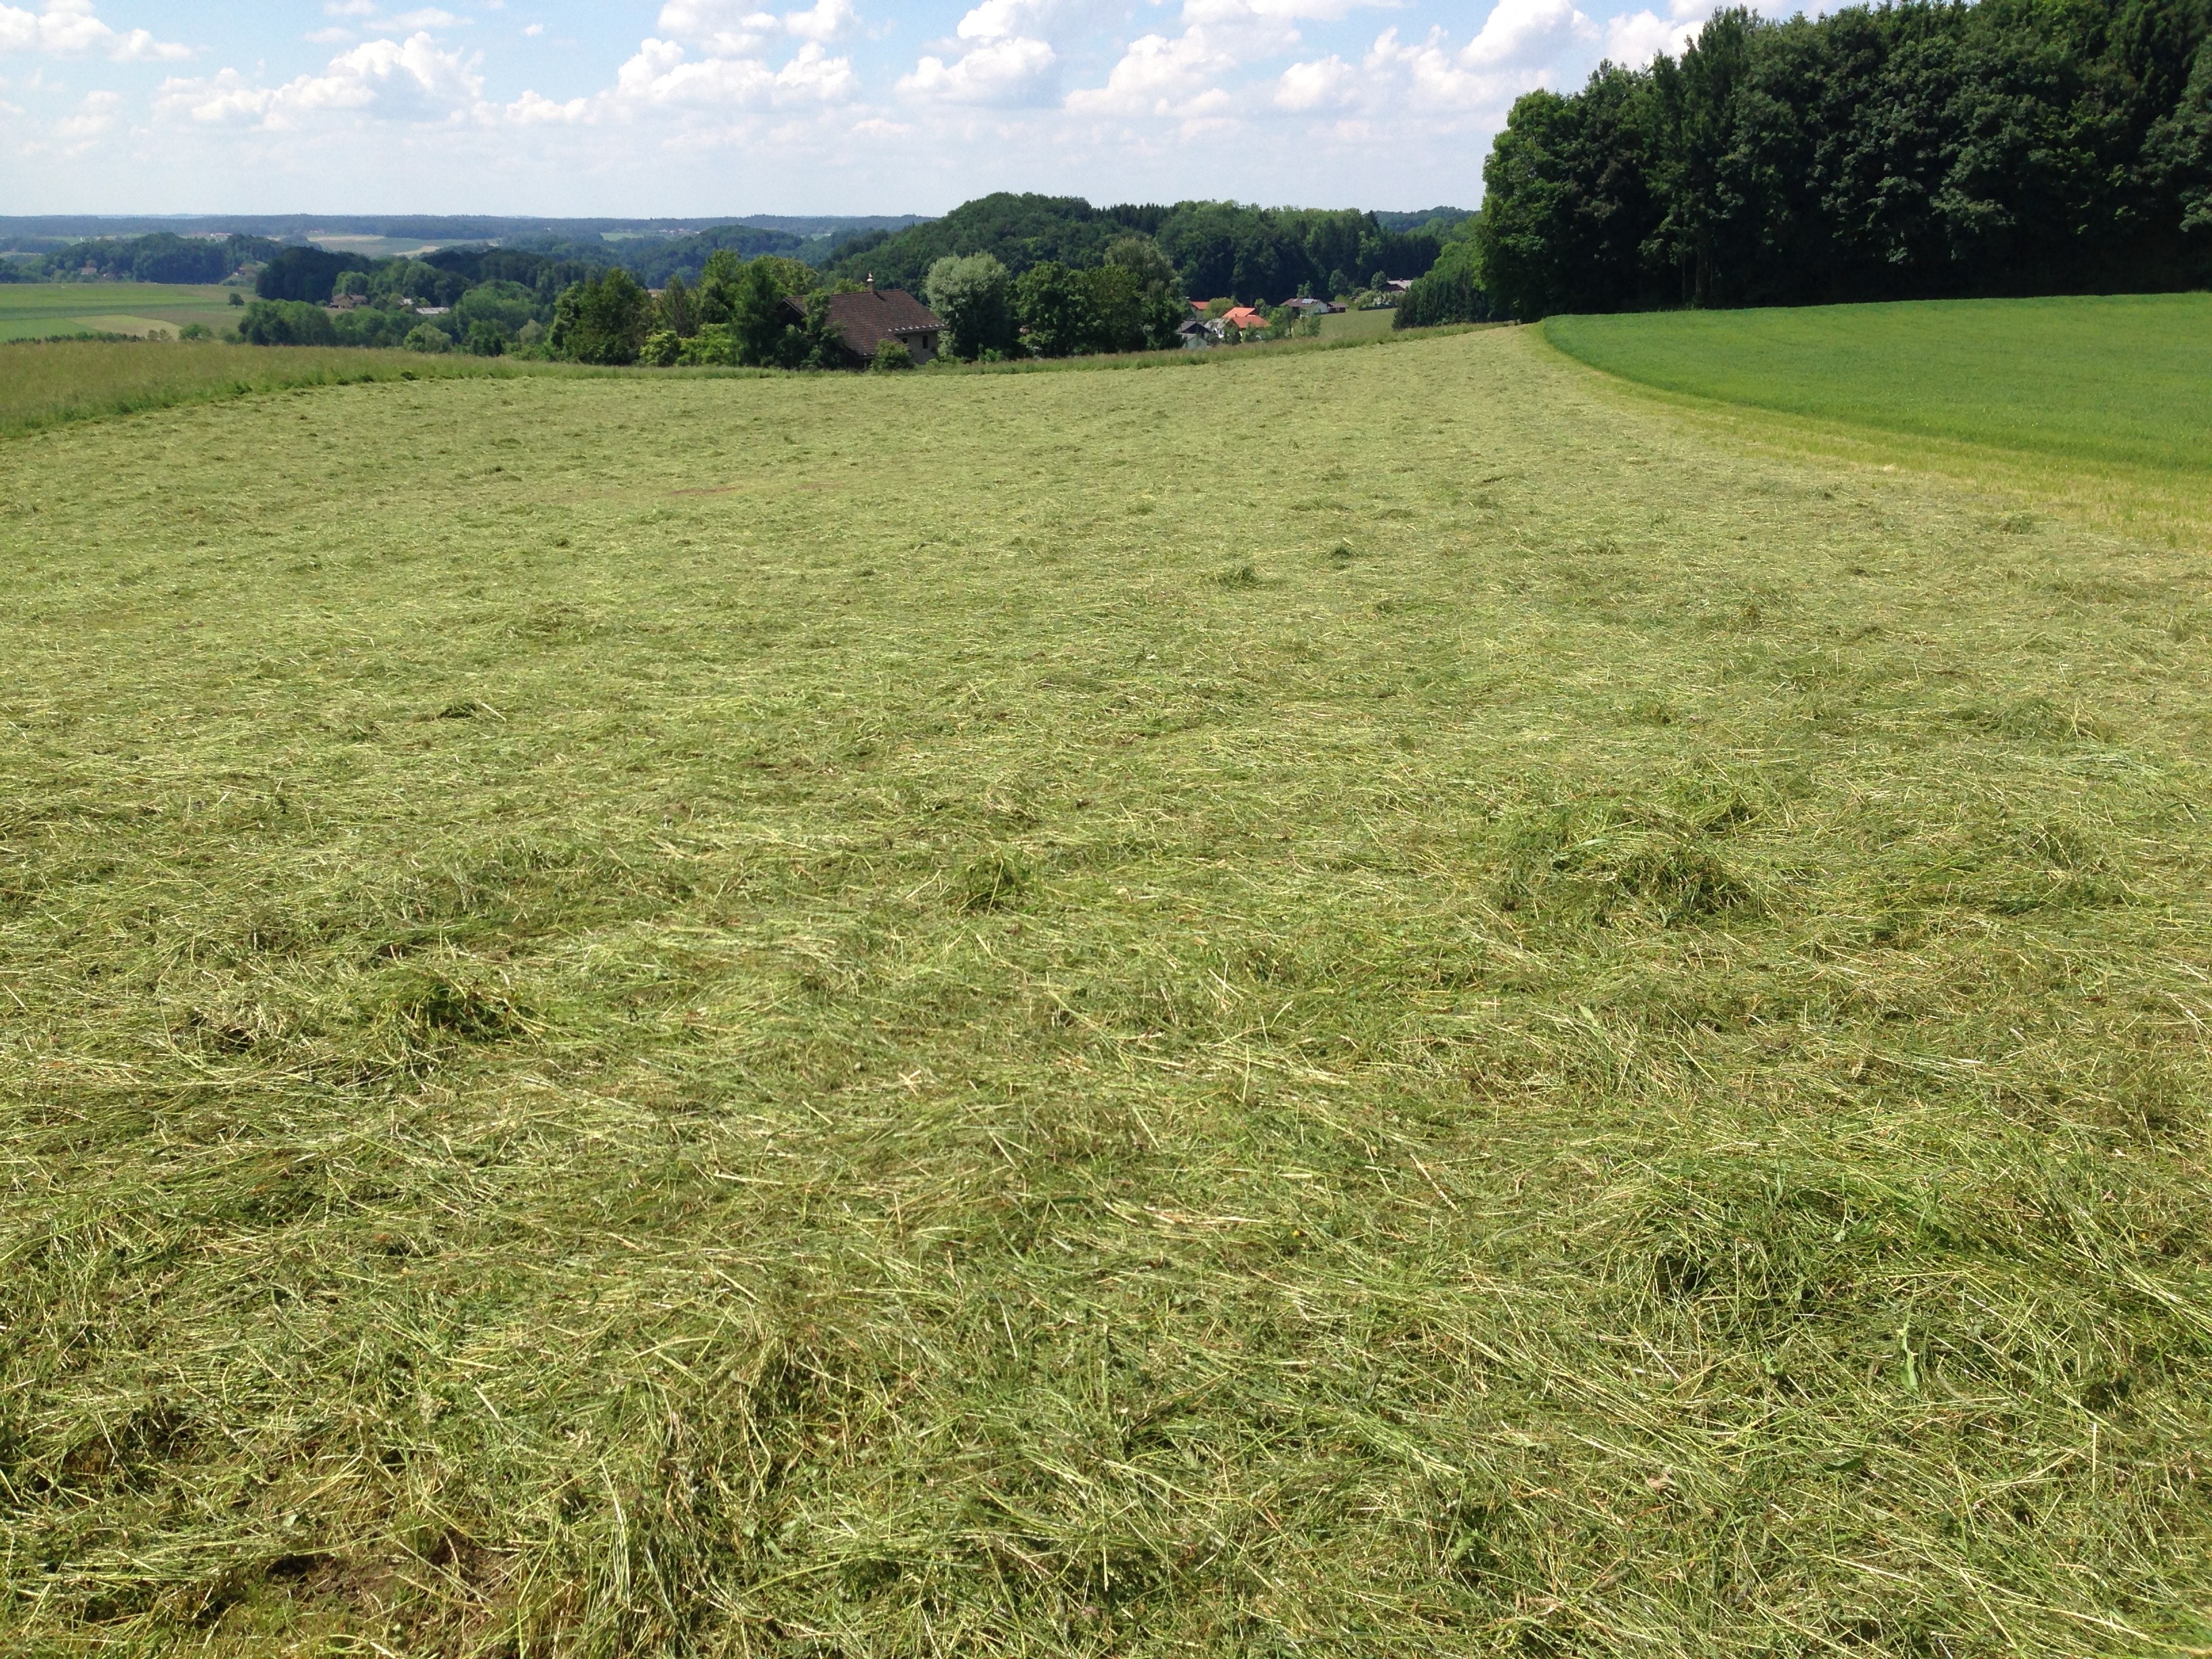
x: 2122, y: 380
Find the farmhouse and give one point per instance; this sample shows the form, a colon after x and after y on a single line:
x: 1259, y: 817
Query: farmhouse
x: 865, y: 320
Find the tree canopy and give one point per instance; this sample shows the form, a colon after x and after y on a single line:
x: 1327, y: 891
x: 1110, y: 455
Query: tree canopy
x: 1215, y: 247
x: 159, y: 257
x: 1452, y: 291
x: 1909, y: 151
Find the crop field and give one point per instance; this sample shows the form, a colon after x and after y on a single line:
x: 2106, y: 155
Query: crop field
x: 818, y: 1016
x: 2124, y: 379
x: 36, y: 311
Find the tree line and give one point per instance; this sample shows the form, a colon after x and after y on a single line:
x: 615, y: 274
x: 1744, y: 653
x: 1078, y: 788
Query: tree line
x: 1452, y: 291
x: 1909, y: 151
x: 1216, y: 249
x: 770, y: 311
x: 159, y: 257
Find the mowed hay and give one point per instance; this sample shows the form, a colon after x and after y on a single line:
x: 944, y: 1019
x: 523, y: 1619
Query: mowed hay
x: 1359, y: 1003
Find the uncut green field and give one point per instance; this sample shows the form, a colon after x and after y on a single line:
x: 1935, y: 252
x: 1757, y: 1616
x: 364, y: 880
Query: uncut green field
x: 850, y: 1016
x: 50, y: 383
x: 34, y: 311
x: 1355, y: 325
x: 2124, y: 380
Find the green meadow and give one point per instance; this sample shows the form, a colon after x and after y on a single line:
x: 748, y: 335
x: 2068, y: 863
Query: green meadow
x: 50, y: 383
x: 2124, y: 379
x: 1355, y: 325
x: 38, y: 311
x: 809, y: 1016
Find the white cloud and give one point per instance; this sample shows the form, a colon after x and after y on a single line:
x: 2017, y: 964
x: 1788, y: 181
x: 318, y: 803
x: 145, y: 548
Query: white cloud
x: 739, y: 28
x: 71, y: 27
x: 534, y: 109
x: 1160, y: 77
x: 814, y: 75
x: 94, y: 118
x: 1326, y: 84
x: 1011, y: 70
x: 1186, y: 75
x: 368, y: 15
x: 824, y: 21
x: 726, y: 29
x: 1522, y: 31
x: 1514, y: 50
x: 661, y: 76
x: 415, y: 81
x: 662, y: 79
x: 1636, y: 37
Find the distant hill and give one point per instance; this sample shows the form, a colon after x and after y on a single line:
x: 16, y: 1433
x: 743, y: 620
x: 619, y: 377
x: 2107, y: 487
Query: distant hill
x: 1218, y: 248
x: 1435, y: 218
x: 39, y: 233
x: 1022, y: 231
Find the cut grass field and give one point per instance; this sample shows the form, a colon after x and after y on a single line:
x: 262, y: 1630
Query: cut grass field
x: 36, y: 311
x: 841, y: 1017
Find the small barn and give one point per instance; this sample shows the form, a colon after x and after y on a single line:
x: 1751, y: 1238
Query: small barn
x: 865, y: 320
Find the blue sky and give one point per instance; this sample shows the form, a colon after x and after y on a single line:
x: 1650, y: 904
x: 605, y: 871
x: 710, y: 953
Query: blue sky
x: 678, y: 107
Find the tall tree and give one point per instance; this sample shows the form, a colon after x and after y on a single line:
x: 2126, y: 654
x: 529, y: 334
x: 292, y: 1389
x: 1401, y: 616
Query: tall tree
x: 1908, y: 151
x: 604, y: 320
x: 971, y: 296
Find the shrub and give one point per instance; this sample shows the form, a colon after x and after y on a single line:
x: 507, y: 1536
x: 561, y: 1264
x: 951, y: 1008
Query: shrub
x: 892, y: 356
x: 423, y: 338
x: 661, y: 350
x: 715, y: 346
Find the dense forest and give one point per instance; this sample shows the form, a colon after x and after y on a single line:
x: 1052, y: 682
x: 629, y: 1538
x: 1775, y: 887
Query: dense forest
x: 1218, y: 249
x: 160, y: 257
x: 165, y: 256
x: 1912, y: 151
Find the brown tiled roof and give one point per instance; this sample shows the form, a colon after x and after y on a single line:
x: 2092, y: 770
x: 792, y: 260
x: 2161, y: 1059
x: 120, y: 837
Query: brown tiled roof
x: 866, y: 319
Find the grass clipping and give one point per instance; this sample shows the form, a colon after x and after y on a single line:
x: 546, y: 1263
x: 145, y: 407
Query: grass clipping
x: 1541, y: 1038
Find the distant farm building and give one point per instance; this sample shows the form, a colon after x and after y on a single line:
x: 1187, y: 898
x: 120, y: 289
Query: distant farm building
x: 865, y: 320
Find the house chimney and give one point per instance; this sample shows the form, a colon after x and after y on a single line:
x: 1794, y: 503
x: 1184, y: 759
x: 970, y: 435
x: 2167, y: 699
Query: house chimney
x: 872, y: 282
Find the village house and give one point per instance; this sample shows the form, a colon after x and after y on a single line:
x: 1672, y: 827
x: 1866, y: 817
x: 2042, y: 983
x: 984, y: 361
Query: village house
x: 865, y: 320
x: 1246, y: 317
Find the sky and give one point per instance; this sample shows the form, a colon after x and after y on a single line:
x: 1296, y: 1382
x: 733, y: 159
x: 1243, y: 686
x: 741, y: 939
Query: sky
x: 675, y: 108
